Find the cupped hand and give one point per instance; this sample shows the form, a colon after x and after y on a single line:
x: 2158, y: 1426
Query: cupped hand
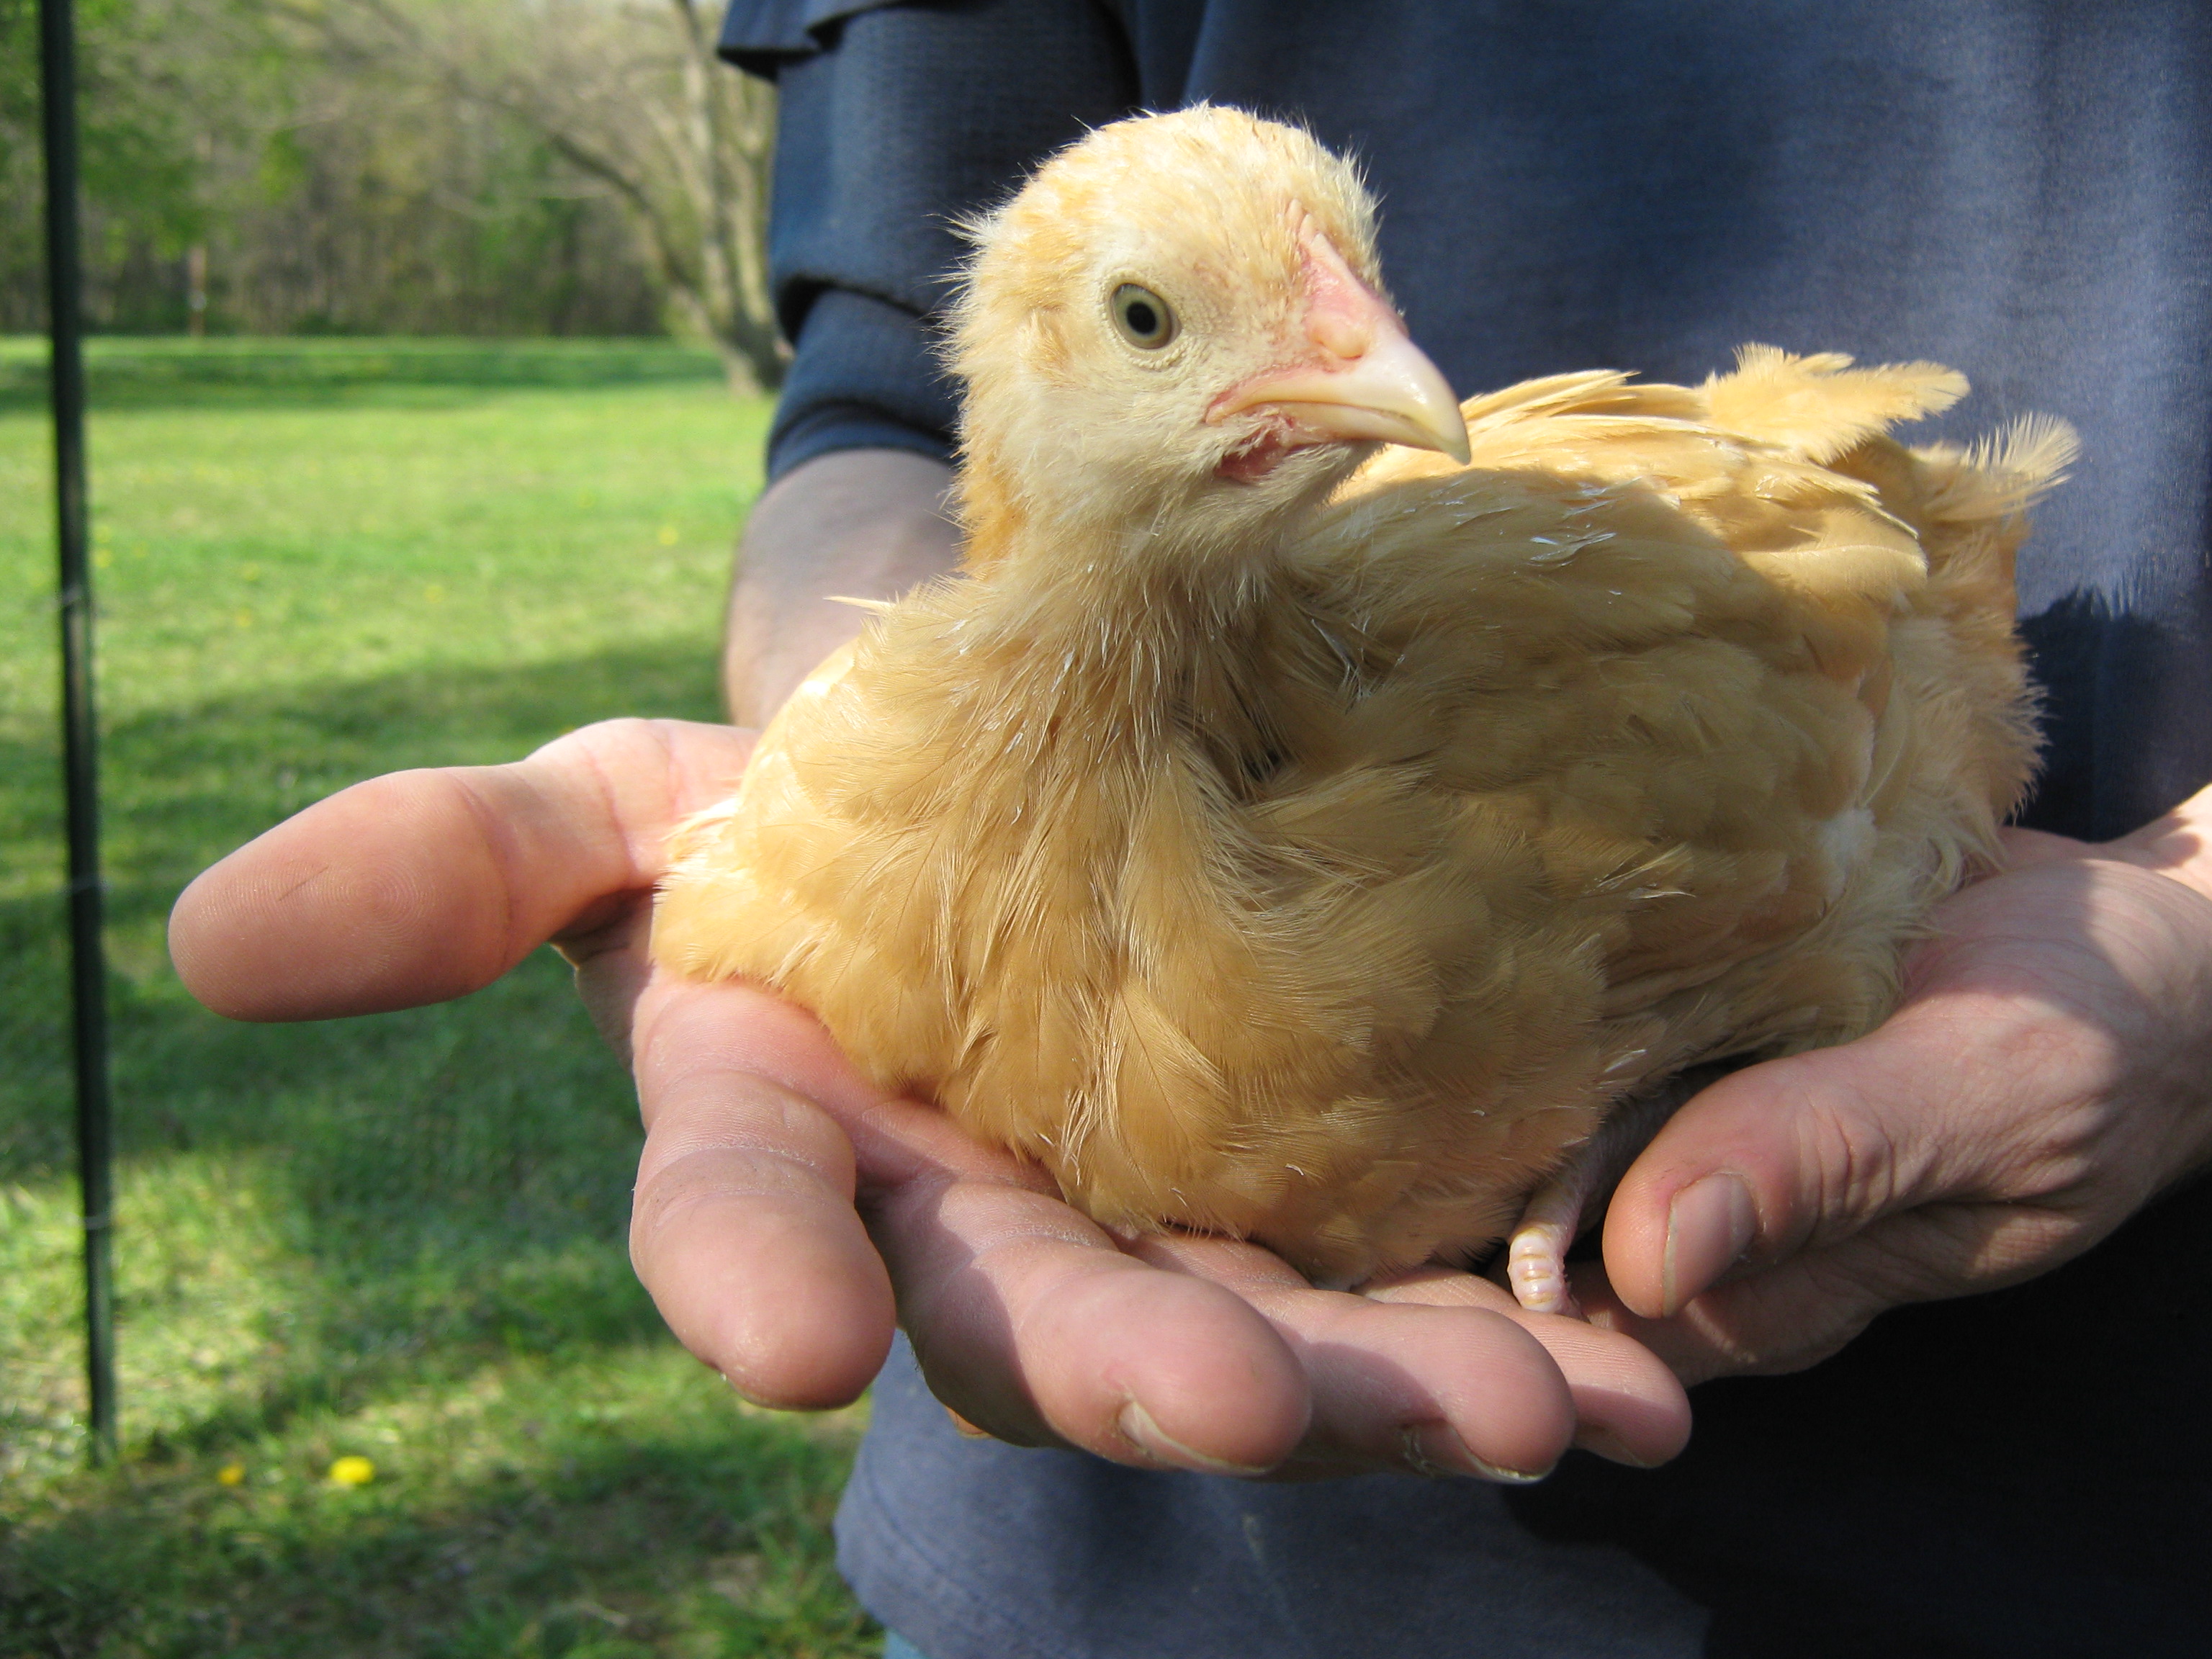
x: 2048, y: 1071
x: 788, y: 1213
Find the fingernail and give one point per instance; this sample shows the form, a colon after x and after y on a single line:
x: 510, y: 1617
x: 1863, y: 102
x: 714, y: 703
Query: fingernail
x: 1709, y: 1227
x: 1140, y: 1430
x: 966, y: 1430
x: 1434, y: 1449
x: 1602, y: 1442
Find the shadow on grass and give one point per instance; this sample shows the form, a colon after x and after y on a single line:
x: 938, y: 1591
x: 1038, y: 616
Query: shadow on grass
x: 452, y: 1182
x: 153, y: 373
x: 183, y: 787
x: 709, y: 1532
x: 411, y: 1209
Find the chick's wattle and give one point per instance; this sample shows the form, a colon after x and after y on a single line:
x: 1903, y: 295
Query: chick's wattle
x: 1279, y: 834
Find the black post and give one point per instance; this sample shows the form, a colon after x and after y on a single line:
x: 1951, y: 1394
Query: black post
x: 79, y: 753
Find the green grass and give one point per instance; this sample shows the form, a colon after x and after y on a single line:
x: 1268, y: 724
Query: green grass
x: 141, y: 373
x: 397, y: 1238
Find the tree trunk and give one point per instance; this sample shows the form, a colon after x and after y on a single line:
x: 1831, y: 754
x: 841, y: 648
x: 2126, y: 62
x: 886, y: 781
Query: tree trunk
x: 196, y: 267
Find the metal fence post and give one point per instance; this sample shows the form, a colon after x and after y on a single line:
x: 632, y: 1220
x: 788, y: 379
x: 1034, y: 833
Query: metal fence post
x: 80, y: 752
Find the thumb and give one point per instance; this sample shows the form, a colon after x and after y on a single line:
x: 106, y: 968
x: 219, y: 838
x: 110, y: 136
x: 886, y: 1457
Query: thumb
x: 1792, y: 1155
x: 424, y: 885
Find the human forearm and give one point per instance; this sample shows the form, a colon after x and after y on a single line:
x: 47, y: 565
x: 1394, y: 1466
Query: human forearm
x: 865, y: 523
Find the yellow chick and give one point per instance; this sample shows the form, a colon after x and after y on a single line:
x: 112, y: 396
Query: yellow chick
x: 1275, y: 835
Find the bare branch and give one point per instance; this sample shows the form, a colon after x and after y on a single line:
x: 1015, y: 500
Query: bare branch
x: 630, y: 96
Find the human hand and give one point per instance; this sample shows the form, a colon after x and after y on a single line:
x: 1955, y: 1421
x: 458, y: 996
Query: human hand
x: 785, y: 1207
x: 2047, y: 1073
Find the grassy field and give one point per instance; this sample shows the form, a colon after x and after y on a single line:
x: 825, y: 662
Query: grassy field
x: 397, y: 1239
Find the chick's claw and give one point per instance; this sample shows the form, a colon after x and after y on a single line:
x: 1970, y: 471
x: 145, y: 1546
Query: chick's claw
x: 1571, y: 1203
x: 1536, y: 1255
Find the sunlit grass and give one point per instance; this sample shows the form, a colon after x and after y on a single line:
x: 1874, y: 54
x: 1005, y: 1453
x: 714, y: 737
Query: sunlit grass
x: 398, y: 1239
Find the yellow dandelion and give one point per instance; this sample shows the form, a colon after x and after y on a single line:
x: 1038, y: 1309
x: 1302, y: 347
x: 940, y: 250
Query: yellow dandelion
x: 435, y: 592
x: 352, y: 1472
x: 102, y: 558
x: 668, y: 535
x: 231, y: 1474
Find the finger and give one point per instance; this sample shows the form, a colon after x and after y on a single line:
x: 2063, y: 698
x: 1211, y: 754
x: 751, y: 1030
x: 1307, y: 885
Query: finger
x: 1802, y: 1152
x: 743, y: 1229
x: 1027, y: 1320
x: 1803, y: 1309
x: 1629, y: 1405
x: 2025, y: 1065
x: 1454, y: 1389
x: 2023, y: 848
x: 1771, y: 1323
x: 1982, y: 1088
x: 425, y: 885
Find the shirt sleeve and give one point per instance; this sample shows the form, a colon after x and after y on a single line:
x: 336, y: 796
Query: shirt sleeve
x: 894, y: 121
x: 761, y: 36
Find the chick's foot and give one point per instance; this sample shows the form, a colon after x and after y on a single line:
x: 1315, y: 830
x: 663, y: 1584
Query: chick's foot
x: 1571, y: 1203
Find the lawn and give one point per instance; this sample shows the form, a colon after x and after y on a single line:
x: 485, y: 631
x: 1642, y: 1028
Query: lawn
x: 398, y: 1239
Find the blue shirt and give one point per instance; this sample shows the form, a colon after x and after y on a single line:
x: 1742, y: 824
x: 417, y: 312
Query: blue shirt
x: 2023, y: 192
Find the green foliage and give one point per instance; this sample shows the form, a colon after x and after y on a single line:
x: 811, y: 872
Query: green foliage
x: 331, y: 192
x: 162, y: 85
x: 397, y: 1238
x: 128, y: 126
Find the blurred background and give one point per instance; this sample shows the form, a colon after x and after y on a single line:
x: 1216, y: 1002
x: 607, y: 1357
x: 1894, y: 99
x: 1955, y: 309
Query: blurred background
x: 431, y: 364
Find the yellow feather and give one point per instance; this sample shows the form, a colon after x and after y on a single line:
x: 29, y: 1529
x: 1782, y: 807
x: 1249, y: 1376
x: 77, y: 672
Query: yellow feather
x: 1321, y: 866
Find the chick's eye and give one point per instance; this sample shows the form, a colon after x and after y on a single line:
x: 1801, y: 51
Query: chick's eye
x: 1143, y: 317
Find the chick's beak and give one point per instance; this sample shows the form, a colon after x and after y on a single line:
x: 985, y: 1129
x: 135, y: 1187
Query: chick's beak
x: 1362, y: 378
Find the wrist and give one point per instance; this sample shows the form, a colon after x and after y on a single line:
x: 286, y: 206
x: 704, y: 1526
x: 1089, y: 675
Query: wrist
x: 861, y: 523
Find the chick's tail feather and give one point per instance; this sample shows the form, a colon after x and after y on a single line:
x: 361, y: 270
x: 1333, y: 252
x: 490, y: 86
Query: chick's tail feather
x: 2001, y: 474
x: 1817, y: 407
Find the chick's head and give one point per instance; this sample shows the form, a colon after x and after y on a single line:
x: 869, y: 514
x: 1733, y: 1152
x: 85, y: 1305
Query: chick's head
x: 1178, y: 325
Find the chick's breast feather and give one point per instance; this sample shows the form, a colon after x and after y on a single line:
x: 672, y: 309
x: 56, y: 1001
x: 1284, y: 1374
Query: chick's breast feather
x: 1317, y: 805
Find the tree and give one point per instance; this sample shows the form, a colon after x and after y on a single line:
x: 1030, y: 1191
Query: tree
x: 629, y: 94
x: 155, y: 80
x: 472, y: 166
